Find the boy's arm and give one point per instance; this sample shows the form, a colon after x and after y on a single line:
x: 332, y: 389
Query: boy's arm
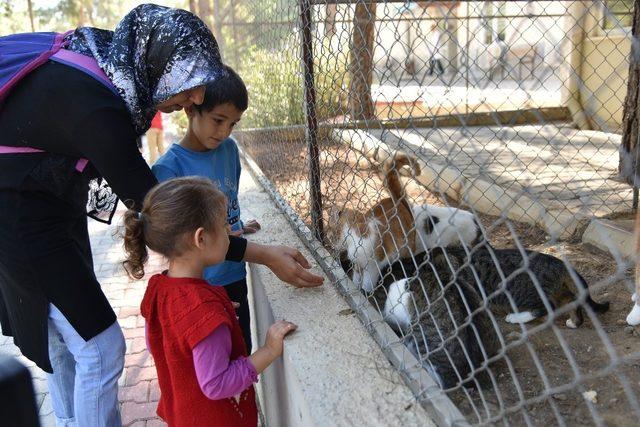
x: 252, y: 226
x: 238, y: 172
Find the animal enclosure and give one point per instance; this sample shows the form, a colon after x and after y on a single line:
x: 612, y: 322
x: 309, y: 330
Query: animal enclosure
x: 487, y: 276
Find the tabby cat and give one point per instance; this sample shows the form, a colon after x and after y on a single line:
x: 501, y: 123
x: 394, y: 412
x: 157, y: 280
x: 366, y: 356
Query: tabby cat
x: 440, y: 319
x: 555, y: 280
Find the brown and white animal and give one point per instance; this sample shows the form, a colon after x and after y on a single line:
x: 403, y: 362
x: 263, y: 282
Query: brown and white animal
x: 383, y: 234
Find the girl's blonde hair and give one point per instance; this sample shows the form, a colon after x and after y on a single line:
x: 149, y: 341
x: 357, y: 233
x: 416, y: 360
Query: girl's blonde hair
x: 170, y: 213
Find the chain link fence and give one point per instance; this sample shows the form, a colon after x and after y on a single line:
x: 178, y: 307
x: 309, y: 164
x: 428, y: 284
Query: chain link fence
x: 502, y: 120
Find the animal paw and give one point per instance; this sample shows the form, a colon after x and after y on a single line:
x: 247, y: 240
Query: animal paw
x: 522, y: 317
x: 367, y: 283
x: 357, y: 278
x: 571, y: 324
x: 633, y: 318
x: 634, y: 297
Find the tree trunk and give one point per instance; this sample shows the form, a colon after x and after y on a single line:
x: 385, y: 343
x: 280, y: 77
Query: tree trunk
x: 204, y: 7
x: 360, y: 102
x: 193, y: 7
x: 628, y: 166
x: 218, y: 17
x: 30, y: 5
x: 330, y: 21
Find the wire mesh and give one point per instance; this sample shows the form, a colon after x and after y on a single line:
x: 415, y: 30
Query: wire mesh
x: 502, y: 120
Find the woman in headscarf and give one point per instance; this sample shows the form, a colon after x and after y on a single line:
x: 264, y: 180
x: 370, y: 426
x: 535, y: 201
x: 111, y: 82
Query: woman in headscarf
x: 157, y: 59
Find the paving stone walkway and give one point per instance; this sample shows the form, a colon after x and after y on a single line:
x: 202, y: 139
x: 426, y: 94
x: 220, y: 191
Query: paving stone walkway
x: 568, y: 170
x: 139, y: 392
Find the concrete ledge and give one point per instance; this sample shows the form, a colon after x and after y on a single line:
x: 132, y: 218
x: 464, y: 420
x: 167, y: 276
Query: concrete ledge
x: 332, y: 371
x: 615, y: 237
x: 481, y: 194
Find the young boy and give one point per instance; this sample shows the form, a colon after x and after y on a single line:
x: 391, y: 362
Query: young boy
x: 206, y: 150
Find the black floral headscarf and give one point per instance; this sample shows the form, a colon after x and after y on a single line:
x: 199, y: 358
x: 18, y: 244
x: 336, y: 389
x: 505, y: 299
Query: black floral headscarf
x: 154, y: 53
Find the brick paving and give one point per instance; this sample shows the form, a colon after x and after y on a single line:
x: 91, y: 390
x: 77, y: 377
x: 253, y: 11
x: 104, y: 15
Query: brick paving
x: 139, y: 391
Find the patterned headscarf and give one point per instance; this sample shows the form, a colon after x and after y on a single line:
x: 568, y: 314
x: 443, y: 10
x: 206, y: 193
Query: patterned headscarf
x: 154, y: 53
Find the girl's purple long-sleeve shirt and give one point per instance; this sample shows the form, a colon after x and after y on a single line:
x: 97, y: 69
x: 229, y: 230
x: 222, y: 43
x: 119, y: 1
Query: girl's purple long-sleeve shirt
x: 218, y: 376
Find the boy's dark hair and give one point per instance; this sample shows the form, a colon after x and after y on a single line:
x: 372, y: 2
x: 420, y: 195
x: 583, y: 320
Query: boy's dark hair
x: 227, y: 89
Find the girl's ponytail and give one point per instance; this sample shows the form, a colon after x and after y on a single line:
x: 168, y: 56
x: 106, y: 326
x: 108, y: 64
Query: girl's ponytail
x: 134, y: 244
x: 170, y: 211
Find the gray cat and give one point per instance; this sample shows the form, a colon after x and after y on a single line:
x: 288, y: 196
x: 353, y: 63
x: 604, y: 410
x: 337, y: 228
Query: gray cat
x: 438, y: 318
x: 555, y: 280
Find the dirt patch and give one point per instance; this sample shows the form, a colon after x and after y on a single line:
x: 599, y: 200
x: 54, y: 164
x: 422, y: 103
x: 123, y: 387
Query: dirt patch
x: 586, y: 376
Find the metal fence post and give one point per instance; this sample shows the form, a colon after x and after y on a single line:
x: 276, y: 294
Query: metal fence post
x: 311, y: 131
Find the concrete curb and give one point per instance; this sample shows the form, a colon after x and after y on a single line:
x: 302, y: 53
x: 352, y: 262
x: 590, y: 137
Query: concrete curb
x: 611, y: 236
x: 484, y: 196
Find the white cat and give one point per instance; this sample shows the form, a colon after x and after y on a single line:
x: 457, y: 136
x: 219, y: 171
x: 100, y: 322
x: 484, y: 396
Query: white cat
x: 443, y: 226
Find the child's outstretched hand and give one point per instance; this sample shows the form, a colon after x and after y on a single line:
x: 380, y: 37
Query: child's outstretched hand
x: 276, y: 334
x: 251, y: 227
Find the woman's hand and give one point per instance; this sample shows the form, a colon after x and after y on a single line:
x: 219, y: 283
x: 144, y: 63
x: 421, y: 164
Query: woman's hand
x: 287, y: 263
x: 291, y: 266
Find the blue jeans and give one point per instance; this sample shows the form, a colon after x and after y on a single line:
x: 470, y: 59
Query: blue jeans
x: 84, y: 383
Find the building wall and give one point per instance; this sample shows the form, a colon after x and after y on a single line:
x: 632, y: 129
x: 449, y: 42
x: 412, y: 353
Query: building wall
x: 604, y: 75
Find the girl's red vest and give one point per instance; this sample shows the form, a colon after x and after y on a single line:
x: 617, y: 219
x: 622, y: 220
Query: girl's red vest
x: 179, y: 314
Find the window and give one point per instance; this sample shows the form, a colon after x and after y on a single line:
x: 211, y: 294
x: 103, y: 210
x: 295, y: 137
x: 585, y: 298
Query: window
x: 617, y: 14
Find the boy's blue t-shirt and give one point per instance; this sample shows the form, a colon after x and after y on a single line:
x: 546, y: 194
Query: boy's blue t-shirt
x: 222, y: 166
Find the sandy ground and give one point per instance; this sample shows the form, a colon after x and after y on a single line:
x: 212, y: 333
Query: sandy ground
x: 541, y: 381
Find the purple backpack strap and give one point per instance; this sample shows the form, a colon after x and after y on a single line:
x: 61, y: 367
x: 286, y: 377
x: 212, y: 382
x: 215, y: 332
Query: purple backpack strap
x: 84, y: 63
x: 22, y: 53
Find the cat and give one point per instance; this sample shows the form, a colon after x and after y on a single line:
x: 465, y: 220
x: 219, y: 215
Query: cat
x: 436, y: 317
x: 436, y: 226
x: 371, y: 240
x: 443, y: 226
x: 555, y: 280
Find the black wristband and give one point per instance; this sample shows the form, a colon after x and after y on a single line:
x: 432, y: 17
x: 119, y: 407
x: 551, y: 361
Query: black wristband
x: 237, y: 248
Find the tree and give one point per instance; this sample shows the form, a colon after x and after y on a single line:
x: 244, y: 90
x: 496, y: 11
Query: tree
x: 628, y: 166
x: 361, y: 67
x: 330, y: 20
x: 30, y: 5
x: 193, y: 7
x: 204, y: 7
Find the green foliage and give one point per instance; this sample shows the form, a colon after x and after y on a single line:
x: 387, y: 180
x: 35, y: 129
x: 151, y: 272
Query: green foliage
x: 64, y: 15
x: 275, y: 82
x: 180, y: 121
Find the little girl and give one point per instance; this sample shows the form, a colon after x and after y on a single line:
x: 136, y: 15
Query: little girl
x: 205, y: 376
